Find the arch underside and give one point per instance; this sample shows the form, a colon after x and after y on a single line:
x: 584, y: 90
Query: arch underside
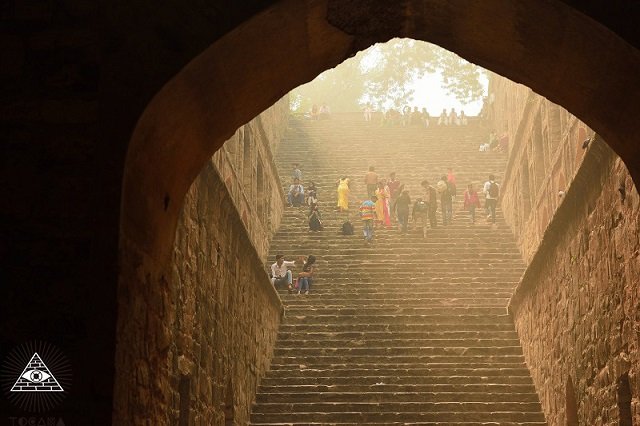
x: 558, y: 52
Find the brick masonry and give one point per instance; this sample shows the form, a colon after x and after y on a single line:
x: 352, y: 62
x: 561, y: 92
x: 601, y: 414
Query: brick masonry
x: 577, y: 307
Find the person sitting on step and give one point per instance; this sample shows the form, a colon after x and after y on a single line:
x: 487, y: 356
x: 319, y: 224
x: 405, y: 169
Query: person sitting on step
x: 463, y: 118
x: 453, y: 117
x: 425, y: 117
x: 312, y: 194
x: 305, y: 278
x: 444, y: 118
x: 295, y: 196
x: 280, y: 273
x: 416, y: 117
x: 315, y: 219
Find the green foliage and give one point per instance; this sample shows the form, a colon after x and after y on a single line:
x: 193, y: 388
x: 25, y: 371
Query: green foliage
x: 382, y: 75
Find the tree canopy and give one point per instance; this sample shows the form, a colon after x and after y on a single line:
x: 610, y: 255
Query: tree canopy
x: 383, y: 75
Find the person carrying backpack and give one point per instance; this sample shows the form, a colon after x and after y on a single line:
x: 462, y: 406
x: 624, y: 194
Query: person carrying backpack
x: 420, y: 214
x: 491, y: 193
x: 402, y: 208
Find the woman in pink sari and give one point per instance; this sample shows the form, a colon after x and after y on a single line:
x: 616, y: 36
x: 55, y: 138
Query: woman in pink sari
x: 382, y: 204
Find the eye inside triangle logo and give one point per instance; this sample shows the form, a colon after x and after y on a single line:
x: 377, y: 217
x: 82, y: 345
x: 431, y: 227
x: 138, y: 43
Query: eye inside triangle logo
x: 36, y: 377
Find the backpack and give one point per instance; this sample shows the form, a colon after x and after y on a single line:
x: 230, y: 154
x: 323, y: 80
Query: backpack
x: 420, y: 206
x: 347, y: 228
x: 494, y: 190
x: 441, y: 186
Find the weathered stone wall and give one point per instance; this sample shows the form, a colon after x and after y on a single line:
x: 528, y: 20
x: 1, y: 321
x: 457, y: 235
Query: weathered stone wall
x: 204, y: 336
x: 248, y: 169
x: 227, y: 311
x: 200, y: 341
x: 577, y: 308
x: 545, y: 151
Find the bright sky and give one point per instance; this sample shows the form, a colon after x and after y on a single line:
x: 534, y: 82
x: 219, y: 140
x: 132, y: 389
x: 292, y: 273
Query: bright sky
x: 428, y: 90
x: 430, y: 94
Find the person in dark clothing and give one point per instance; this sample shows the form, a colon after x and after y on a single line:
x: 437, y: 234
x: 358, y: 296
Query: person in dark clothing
x: 420, y: 214
x: 315, y: 219
x: 305, y: 277
x: 312, y: 194
x: 432, y: 202
x: 402, y: 210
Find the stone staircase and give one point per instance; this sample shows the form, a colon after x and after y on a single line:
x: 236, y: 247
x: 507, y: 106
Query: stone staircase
x: 406, y: 330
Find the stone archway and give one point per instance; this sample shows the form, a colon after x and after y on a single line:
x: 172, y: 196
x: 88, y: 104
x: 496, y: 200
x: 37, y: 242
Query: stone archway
x: 248, y: 69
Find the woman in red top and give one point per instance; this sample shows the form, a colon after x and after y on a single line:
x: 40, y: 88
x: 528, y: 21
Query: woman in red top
x: 471, y: 201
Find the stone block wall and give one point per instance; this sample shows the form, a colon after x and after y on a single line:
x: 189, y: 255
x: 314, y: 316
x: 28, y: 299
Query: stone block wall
x: 249, y: 172
x: 577, y: 307
x: 227, y: 312
x: 200, y: 336
x: 544, y: 154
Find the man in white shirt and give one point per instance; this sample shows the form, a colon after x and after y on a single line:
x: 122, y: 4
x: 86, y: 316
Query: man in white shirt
x: 295, y: 196
x: 491, y: 191
x: 280, y: 274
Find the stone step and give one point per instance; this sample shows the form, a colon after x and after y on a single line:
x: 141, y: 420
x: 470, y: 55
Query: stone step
x: 513, y: 363
x: 424, y: 293
x: 374, y: 351
x: 427, y: 282
x: 400, y: 342
x: 373, y: 380
x: 400, y: 423
x: 394, y: 310
x: 386, y: 371
x: 372, y: 396
x: 392, y: 277
x: 448, y: 357
x: 406, y: 326
x: 403, y: 406
x: 404, y: 299
x: 407, y: 330
x: 399, y: 334
x: 392, y: 389
x: 463, y: 412
x: 480, y: 300
x: 434, y: 319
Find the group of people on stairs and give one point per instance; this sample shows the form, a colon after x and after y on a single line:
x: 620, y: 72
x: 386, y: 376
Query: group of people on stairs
x: 386, y: 200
